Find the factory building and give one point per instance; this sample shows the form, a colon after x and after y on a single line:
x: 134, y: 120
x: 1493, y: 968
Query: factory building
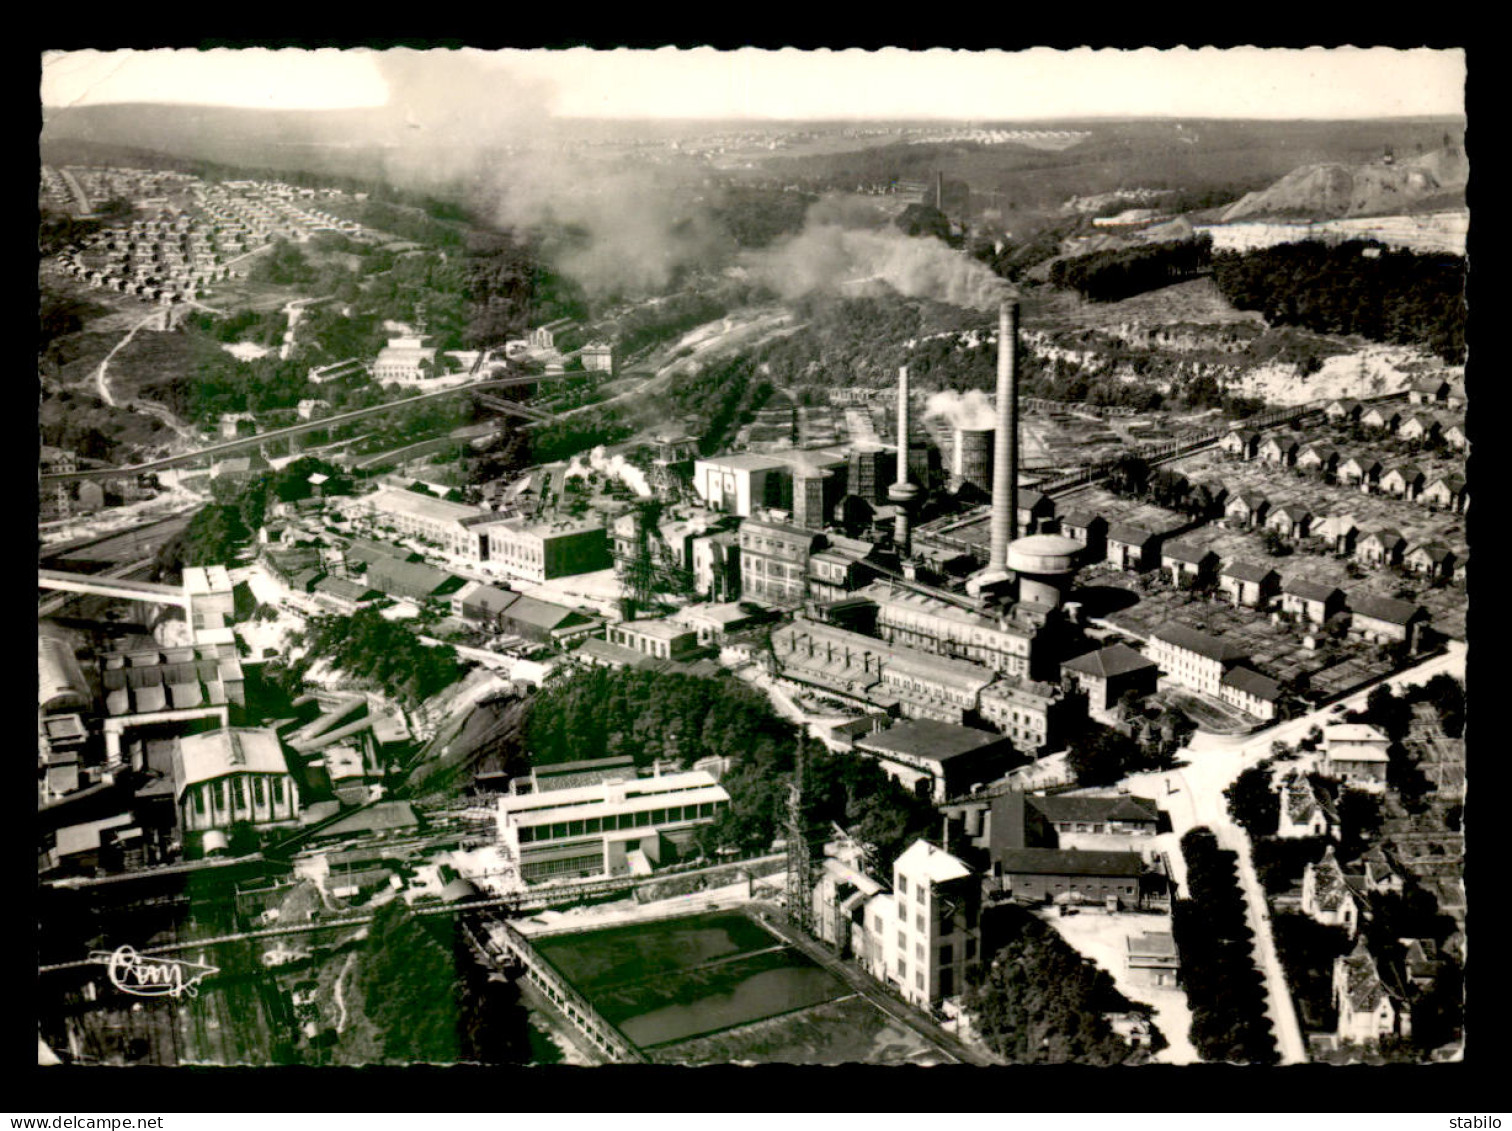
x: 1029, y: 713
x: 404, y: 360
x: 740, y: 483
x: 533, y: 551
x: 914, y: 619
x: 613, y: 828
x: 900, y: 680
x: 936, y: 936
x: 774, y: 561
x: 540, y: 551
x: 939, y: 760
x: 230, y: 775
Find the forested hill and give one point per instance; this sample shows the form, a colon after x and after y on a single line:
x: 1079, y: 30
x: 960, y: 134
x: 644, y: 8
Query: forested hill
x: 1353, y: 288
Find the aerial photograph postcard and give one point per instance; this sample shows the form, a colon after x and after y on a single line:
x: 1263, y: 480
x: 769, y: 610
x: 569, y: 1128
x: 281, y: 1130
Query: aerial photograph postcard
x: 682, y: 557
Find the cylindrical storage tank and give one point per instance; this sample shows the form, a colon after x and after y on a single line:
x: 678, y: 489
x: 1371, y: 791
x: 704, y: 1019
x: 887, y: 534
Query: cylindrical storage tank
x: 973, y: 456
x: 1045, y: 564
x: 214, y: 841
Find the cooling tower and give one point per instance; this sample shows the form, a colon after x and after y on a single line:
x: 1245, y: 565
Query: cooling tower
x: 972, y: 460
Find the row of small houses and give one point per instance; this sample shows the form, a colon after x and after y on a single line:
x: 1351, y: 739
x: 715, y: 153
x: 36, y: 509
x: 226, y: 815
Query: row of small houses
x: 1403, y: 480
x: 1131, y: 547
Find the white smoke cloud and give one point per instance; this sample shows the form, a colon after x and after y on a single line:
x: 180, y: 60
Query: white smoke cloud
x: 972, y: 410
x: 827, y: 256
x: 617, y: 468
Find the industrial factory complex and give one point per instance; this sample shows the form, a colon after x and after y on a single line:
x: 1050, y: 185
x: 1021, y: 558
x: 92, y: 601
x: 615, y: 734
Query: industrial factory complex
x: 808, y: 623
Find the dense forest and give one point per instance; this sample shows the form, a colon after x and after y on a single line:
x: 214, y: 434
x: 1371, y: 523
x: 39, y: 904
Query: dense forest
x: 1357, y: 287
x: 430, y: 1001
x: 1108, y: 276
x: 648, y: 715
x: 758, y: 217
x: 59, y: 229
x: 1040, y: 1002
x: 600, y: 713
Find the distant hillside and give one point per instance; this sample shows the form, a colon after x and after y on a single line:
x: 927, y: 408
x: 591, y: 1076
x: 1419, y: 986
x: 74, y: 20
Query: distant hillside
x: 1336, y: 191
x: 341, y: 142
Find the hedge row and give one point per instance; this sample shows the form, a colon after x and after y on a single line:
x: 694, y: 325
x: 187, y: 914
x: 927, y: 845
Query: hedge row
x: 1225, y: 989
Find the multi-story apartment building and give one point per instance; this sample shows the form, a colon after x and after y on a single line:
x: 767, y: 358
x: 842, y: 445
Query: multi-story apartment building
x: 774, y: 561
x: 1192, y: 658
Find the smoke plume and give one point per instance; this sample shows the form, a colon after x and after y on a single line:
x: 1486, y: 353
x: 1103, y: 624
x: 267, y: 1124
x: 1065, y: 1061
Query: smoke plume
x: 972, y: 410
x: 617, y: 468
x: 826, y: 256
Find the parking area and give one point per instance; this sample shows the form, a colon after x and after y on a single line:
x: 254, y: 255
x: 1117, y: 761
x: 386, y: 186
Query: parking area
x: 1102, y: 938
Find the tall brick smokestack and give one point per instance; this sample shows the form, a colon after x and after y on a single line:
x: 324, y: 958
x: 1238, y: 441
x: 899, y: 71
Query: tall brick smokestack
x: 902, y: 493
x: 1005, y: 443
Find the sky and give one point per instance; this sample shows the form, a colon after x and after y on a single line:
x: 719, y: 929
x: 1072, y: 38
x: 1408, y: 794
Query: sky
x: 790, y: 84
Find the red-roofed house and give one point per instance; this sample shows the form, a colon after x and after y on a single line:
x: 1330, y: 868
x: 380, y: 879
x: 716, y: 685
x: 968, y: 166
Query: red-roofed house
x: 1428, y: 390
x: 1386, y: 620
x: 1187, y: 563
x: 1444, y: 491
x: 1431, y: 559
x: 1133, y: 547
x: 1246, y: 508
x: 1318, y: 458
x: 1364, y: 470
x: 1291, y: 521
x: 1279, y: 450
x: 1327, y: 896
x: 1241, y: 443
x: 1404, y: 481
x: 1382, y: 418
x: 1304, y: 811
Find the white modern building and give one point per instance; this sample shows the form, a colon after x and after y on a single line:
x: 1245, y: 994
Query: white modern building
x: 612, y: 828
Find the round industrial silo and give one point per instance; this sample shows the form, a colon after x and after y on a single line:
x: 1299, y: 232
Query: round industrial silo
x: 973, y: 457
x: 1045, y: 565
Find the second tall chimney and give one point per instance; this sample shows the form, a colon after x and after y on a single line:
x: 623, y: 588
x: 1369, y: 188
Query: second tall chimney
x: 902, y: 493
x: 1005, y: 443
